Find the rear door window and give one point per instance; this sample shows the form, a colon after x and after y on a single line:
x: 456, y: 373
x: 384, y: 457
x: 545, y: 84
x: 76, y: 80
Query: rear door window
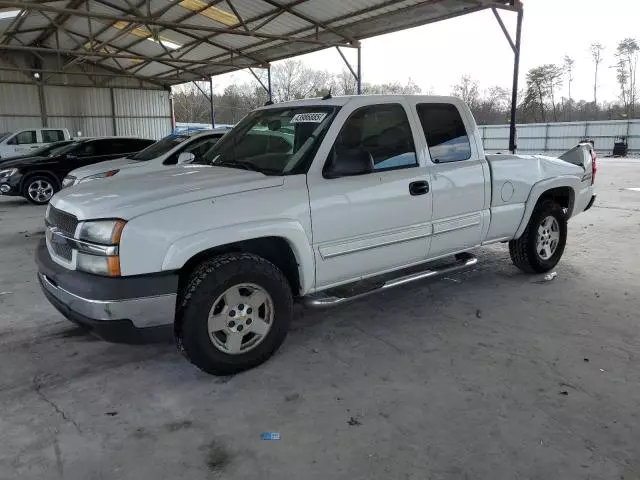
x: 50, y: 136
x: 445, y: 132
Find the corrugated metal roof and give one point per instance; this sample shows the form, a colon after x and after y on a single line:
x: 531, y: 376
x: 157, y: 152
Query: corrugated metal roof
x: 181, y: 40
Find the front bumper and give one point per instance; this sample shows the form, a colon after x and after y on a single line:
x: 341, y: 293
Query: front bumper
x: 10, y: 186
x: 120, y: 309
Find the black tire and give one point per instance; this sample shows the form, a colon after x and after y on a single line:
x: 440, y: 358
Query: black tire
x: 210, y: 280
x: 524, y: 254
x: 42, y: 178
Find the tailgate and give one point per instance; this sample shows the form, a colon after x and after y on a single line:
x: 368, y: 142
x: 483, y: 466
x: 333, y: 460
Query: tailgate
x: 579, y: 155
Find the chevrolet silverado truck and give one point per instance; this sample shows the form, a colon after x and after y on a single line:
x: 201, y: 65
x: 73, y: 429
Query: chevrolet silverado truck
x: 319, y: 201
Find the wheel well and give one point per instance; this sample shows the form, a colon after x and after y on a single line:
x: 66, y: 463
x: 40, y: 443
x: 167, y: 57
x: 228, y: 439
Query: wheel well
x: 43, y: 173
x: 274, y: 249
x: 563, y: 196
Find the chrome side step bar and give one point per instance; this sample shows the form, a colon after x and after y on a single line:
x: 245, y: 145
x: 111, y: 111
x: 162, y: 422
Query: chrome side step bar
x: 326, y: 299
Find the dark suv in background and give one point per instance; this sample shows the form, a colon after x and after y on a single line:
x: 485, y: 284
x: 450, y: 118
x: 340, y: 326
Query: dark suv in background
x: 37, y: 177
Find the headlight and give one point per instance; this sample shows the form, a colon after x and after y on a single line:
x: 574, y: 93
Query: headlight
x: 8, y: 172
x: 68, y: 181
x: 98, y: 176
x: 105, y: 232
x: 100, y: 254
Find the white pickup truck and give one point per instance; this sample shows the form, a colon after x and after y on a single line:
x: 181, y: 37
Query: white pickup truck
x: 320, y: 201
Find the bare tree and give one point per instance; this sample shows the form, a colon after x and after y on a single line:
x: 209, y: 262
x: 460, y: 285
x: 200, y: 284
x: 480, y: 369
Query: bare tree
x: 467, y: 90
x: 292, y: 80
x: 190, y: 104
x: 345, y: 84
x: 568, y: 64
x: 627, y: 55
x: 391, y: 88
x: 596, y: 53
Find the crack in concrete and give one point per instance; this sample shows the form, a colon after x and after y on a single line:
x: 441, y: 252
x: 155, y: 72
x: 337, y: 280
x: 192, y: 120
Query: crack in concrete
x: 38, y: 389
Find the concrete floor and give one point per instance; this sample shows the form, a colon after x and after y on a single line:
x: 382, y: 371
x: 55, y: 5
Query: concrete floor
x: 487, y: 374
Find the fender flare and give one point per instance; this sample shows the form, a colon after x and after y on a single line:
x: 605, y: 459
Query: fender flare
x: 538, y: 190
x: 185, y: 248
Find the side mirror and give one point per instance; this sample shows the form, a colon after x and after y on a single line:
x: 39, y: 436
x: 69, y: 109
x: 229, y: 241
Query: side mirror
x: 350, y: 163
x: 186, y: 157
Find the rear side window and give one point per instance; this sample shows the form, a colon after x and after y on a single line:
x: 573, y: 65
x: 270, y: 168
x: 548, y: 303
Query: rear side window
x: 445, y: 133
x: 50, y: 136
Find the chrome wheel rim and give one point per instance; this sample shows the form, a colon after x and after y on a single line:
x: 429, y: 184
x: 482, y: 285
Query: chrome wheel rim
x: 548, y: 237
x: 240, y: 318
x: 40, y: 191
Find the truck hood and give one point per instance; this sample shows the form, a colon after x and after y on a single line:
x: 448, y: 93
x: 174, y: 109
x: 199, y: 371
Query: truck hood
x: 131, y: 196
x: 118, y: 163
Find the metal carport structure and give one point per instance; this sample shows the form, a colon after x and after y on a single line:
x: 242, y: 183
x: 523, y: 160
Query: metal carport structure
x: 167, y: 42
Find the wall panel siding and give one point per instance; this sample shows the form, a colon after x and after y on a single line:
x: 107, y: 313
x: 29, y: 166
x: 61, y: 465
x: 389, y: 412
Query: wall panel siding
x: 11, y: 124
x: 86, y: 111
x: 17, y: 99
x: 84, y: 126
x: 141, y: 103
x: 74, y: 101
x: 555, y: 138
x: 153, y: 128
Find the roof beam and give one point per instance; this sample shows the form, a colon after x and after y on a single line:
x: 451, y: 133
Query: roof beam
x: 197, y: 40
x: 268, y: 16
x: 60, y: 20
x: 313, y: 22
x: 161, y: 23
x: 157, y: 13
x: 12, y: 30
x: 144, y: 78
x: 89, y: 54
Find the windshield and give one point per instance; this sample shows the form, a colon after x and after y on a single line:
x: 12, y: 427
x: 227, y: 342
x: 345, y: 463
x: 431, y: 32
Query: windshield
x: 159, y: 148
x: 4, y: 135
x: 273, y: 141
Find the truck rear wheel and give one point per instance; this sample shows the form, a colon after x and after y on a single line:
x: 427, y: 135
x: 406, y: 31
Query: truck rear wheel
x: 234, y: 314
x: 542, y: 243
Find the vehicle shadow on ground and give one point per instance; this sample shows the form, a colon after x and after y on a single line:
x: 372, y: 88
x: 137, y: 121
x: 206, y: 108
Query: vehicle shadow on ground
x: 9, y: 202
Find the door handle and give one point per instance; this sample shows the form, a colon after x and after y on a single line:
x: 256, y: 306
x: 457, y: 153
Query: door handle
x: 419, y: 188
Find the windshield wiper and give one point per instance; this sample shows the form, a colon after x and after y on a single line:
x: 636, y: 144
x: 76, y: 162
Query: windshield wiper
x: 237, y: 164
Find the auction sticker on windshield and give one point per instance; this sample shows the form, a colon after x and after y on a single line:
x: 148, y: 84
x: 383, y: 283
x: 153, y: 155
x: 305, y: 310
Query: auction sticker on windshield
x: 311, y: 117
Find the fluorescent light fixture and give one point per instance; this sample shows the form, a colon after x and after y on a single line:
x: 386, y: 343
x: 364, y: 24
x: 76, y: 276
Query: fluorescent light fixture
x: 9, y: 14
x: 144, y: 32
x: 214, y: 13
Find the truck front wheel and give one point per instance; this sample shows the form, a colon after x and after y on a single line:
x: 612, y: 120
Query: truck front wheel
x: 542, y: 243
x: 234, y: 314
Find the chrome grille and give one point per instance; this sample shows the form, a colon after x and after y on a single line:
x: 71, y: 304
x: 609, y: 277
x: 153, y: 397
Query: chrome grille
x: 62, y: 250
x: 64, y: 221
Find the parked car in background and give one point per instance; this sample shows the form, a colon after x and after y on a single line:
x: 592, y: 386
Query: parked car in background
x: 184, y: 127
x: 372, y: 192
x: 171, y: 150
x: 37, y: 178
x: 24, y: 142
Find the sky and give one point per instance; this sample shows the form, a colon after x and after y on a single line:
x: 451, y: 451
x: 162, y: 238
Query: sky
x: 435, y: 56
